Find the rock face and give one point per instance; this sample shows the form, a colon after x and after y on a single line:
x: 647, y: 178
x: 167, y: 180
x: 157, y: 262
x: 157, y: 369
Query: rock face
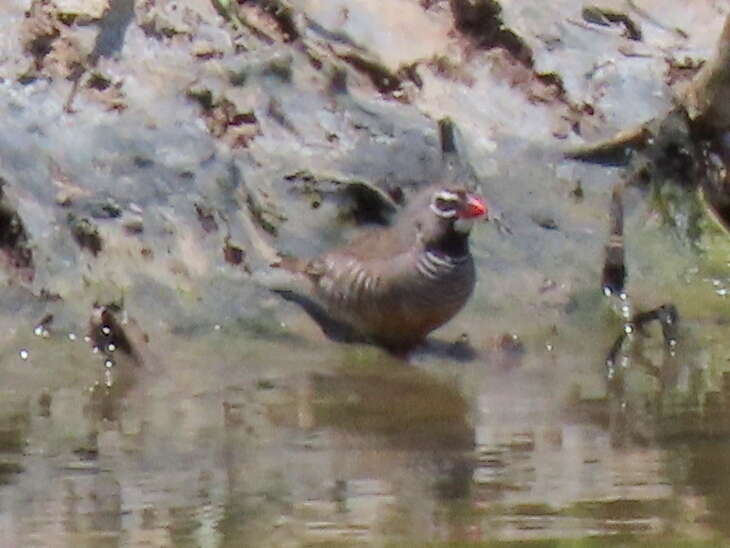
x: 168, y: 148
x: 91, y: 9
x: 145, y: 144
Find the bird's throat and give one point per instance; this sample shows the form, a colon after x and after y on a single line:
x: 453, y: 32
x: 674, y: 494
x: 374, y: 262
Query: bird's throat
x: 463, y: 226
x: 452, y: 243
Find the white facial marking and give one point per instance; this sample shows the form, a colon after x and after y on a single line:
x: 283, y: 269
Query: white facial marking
x: 463, y: 225
x: 444, y: 196
x: 441, y: 213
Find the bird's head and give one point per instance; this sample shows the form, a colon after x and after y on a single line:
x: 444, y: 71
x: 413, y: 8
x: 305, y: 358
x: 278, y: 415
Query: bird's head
x: 458, y: 208
x: 447, y: 219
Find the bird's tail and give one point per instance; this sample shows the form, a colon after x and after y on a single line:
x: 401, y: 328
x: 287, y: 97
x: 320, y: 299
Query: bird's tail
x: 291, y: 264
x: 279, y: 278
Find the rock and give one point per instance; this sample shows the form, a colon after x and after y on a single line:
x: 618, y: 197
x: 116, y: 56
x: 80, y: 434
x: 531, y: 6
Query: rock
x: 382, y: 29
x: 91, y: 9
x: 183, y: 107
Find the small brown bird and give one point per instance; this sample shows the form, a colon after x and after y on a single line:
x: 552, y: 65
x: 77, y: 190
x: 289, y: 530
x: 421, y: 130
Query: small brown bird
x: 395, y: 285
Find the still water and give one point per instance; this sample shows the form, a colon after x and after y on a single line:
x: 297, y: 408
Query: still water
x: 286, y: 439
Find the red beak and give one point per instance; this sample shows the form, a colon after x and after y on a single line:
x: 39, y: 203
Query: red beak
x: 474, y: 207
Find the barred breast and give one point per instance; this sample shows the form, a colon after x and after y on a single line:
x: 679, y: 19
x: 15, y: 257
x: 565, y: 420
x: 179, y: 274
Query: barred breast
x: 399, y: 301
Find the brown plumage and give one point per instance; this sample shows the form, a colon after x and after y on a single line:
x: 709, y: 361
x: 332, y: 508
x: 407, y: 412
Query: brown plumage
x: 395, y: 285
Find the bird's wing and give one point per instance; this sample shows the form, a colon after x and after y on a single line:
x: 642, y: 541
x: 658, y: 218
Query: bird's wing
x: 377, y: 244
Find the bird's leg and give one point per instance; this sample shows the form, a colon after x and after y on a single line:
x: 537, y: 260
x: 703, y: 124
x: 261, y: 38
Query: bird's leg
x: 614, y: 267
x: 668, y: 317
x: 623, y: 351
x: 624, y: 354
x: 613, y: 283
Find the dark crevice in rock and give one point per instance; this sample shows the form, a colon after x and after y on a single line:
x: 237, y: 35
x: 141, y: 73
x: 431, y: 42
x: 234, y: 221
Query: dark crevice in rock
x: 338, y: 82
x: 283, y: 17
x: 397, y: 195
x: 42, y: 45
x: 448, y: 137
x: 554, y: 81
x: 49, y: 296
x: 134, y: 227
x: 363, y: 203
x: 241, y: 118
x: 27, y: 78
x: 232, y: 253
x: 142, y: 162
x: 85, y: 233
x: 608, y: 17
x: 264, y: 215
x: 447, y: 68
x: 69, y: 19
x: 224, y: 120
x: 270, y: 21
x: 98, y: 81
x: 481, y: 20
x: 681, y: 70
x: 41, y: 30
x: 203, y: 96
x: 384, y: 80
x: 276, y: 113
x: 368, y: 205
x: 315, y: 61
x: 206, y: 216
x: 150, y: 28
x: 543, y: 220
x: 410, y: 73
x: 104, y: 208
x: 279, y: 67
x: 161, y: 25
x: 14, y: 241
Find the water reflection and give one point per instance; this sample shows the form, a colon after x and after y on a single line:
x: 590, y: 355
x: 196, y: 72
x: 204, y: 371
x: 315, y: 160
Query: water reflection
x: 371, y: 451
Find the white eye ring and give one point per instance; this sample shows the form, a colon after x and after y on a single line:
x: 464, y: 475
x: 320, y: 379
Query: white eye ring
x: 446, y: 196
x: 443, y: 214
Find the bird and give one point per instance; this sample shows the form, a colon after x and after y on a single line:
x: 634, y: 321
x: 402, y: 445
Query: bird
x: 394, y: 285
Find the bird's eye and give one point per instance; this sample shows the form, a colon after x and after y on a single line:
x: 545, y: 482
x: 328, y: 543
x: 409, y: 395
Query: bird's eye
x: 445, y: 204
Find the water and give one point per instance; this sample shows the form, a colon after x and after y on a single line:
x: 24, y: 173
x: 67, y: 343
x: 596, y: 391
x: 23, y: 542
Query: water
x: 229, y: 441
